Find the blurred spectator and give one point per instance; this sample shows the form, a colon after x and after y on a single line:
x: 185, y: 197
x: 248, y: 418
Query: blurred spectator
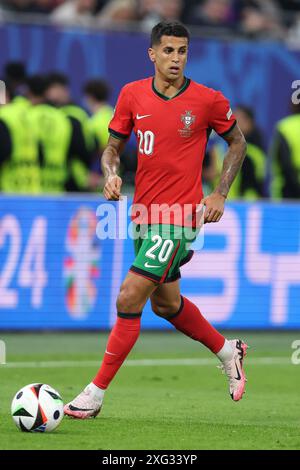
x: 289, y: 10
x: 118, y: 11
x: 188, y: 6
x: 290, y: 5
x: 250, y: 18
x: 30, y: 6
x: 44, y: 6
x: 15, y: 76
x: 211, y: 168
x: 58, y: 94
x: 19, y: 155
x: 58, y: 89
x: 18, y: 6
x: 294, y: 32
x: 285, y: 157
x: 75, y: 12
x: 212, y: 14
x: 59, y: 139
x: 96, y: 95
x: 261, y: 18
x: 171, y: 9
x: 153, y: 11
x: 149, y: 13
x: 250, y: 181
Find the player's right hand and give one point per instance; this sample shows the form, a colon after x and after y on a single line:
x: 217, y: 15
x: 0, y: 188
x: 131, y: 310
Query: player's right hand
x: 112, y: 188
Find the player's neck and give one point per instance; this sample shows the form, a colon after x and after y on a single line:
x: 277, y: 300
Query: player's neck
x: 168, y: 88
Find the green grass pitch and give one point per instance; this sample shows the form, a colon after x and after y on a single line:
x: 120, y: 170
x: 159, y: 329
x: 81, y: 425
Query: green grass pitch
x: 169, y: 395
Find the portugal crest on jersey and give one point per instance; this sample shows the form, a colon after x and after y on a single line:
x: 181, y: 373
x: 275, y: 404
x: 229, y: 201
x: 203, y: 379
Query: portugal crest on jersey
x: 187, y: 119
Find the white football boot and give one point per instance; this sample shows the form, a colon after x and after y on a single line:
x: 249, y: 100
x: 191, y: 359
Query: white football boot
x: 84, y: 405
x: 234, y: 369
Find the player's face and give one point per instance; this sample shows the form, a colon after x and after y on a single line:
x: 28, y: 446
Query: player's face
x: 170, y: 57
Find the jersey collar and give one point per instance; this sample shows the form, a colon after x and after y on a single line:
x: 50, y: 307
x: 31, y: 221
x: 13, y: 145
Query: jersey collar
x: 168, y: 98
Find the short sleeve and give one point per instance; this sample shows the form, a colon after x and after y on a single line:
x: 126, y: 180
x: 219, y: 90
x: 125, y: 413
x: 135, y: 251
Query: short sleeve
x: 122, y: 123
x: 221, y: 117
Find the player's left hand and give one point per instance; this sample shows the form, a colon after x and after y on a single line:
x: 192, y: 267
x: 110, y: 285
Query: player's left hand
x: 214, y: 207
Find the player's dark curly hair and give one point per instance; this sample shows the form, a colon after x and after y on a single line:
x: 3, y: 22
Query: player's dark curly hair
x: 168, y: 28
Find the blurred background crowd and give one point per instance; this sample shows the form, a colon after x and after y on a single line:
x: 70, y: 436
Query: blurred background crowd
x: 278, y: 19
x: 50, y: 144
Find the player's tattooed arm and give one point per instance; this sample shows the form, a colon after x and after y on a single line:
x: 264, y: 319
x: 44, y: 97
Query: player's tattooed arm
x: 110, y: 163
x: 233, y: 159
x: 214, y: 203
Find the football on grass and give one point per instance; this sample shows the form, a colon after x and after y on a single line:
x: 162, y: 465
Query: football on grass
x: 37, y: 407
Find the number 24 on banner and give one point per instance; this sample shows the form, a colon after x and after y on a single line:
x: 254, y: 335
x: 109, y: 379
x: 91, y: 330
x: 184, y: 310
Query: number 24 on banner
x: 30, y: 264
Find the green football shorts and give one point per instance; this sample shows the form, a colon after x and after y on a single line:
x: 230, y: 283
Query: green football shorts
x: 160, y: 250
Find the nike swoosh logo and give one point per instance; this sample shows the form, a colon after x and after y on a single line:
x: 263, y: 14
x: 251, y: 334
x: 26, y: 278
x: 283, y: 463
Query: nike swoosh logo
x: 142, y: 117
x: 111, y: 354
x: 150, y: 265
x: 238, y: 373
x: 74, y: 408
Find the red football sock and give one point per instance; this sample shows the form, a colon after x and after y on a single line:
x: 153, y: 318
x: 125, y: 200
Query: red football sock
x: 120, y: 342
x: 190, y: 322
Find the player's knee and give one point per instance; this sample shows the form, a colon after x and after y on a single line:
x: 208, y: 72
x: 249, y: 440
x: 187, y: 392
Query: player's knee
x: 165, y: 310
x: 127, y: 301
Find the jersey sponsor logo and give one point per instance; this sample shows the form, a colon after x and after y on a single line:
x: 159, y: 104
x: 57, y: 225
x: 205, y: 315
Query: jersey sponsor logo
x: 187, y: 119
x: 142, y: 117
x: 147, y: 265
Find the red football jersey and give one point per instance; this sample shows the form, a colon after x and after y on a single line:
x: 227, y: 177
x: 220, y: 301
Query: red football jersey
x: 172, y: 134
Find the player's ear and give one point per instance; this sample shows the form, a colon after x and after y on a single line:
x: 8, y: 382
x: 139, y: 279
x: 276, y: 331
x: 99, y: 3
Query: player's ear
x: 151, y: 54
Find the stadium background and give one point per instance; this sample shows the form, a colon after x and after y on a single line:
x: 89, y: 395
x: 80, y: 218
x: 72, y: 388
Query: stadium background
x: 252, y: 254
x: 56, y: 275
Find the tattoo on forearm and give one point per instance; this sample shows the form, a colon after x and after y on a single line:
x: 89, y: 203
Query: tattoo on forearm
x: 232, y: 163
x: 110, y: 161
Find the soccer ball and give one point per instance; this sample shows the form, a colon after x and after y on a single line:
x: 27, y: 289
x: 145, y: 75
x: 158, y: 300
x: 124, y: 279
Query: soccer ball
x: 37, y: 407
